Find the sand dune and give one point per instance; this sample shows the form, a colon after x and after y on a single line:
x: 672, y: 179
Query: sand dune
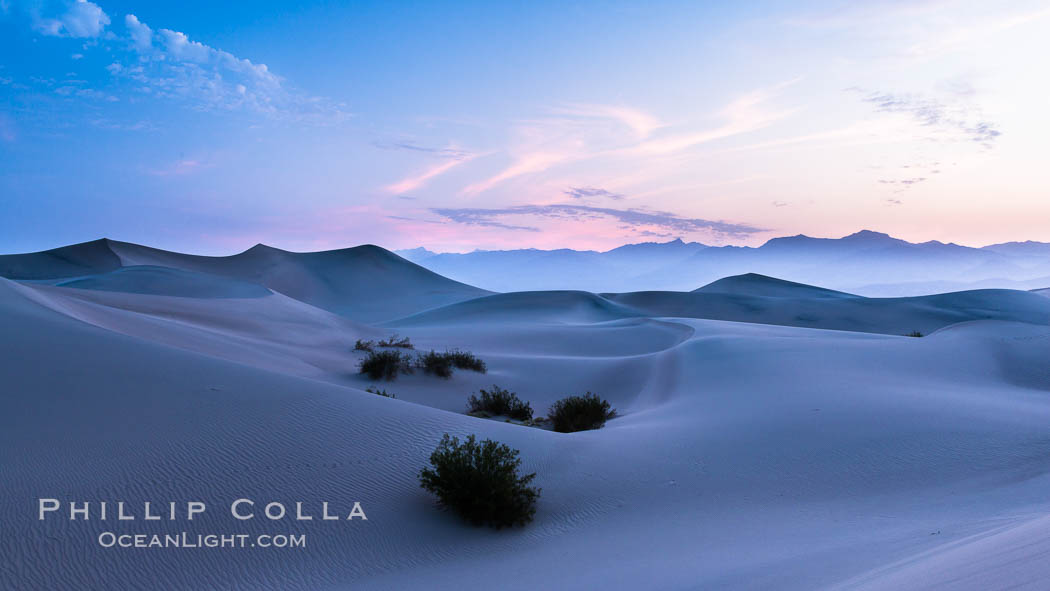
x: 756, y: 298
x: 364, y: 283
x: 87, y: 258
x: 747, y: 455
x: 146, y: 279
x: 749, y: 298
x: 753, y: 284
x: 526, y: 306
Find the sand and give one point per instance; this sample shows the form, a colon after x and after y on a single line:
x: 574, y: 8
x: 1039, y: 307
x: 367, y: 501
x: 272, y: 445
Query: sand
x: 771, y: 435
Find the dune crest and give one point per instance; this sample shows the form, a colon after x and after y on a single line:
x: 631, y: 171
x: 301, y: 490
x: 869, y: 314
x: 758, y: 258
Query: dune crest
x: 753, y: 447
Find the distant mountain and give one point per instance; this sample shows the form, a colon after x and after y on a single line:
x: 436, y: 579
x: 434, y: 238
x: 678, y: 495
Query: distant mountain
x: 1027, y: 248
x: 415, y: 254
x: 866, y: 262
x: 534, y: 269
x: 370, y: 284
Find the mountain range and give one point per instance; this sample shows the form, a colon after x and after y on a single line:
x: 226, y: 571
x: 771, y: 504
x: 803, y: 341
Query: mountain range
x: 866, y: 262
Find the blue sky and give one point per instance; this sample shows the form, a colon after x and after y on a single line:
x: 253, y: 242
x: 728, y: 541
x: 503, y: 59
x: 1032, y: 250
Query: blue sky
x: 211, y: 127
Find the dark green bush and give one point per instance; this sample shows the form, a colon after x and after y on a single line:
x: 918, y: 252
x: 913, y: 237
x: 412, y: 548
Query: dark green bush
x: 441, y: 364
x: 434, y: 363
x: 378, y: 392
x: 500, y: 402
x: 580, y: 413
x: 393, y: 341
x: 914, y: 333
x: 364, y: 345
x: 480, y: 482
x: 386, y: 364
x: 466, y: 360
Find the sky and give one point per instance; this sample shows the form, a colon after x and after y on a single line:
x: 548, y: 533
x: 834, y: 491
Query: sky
x: 210, y: 127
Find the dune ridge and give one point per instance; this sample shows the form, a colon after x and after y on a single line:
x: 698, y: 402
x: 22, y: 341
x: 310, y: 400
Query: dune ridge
x: 753, y: 448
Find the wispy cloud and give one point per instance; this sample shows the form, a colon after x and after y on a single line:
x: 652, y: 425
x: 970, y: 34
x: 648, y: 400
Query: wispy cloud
x: 630, y: 218
x: 182, y: 167
x: 416, y: 181
x: 525, y: 164
x: 111, y: 125
x: 745, y: 114
x: 962, y: 35
x: 904, y: 182
x: 955, y: 119
x: 70, y: 90
x: 446, y: 152
x: 589, y: 132
x: 642, y: 123
x: 585, y: 192
x: 919, y: 30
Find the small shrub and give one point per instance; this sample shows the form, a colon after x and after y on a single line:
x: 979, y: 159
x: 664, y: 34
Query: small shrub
x: 364, y: 345
x: 385, y: 364
x: 466, y: 360
x: 378, y: 392
x: 500, y: 402
x: 480, y: 482
x: 441, y: 364
x: 580, y: 413
x: 914, y: 333
x: 393, y: 341
x: 434, y: 363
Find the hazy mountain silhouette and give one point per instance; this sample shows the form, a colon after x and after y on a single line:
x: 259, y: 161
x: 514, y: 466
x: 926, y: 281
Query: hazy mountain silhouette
x: 866, y: 262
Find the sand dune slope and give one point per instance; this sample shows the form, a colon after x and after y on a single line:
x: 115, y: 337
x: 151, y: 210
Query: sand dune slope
x: 150, y: 280
x: 746, y: 455
x: 86, y: 258
x: 525, y: 307
x: 755, y: 298
x: 365, y: 283
x: 753, y: 284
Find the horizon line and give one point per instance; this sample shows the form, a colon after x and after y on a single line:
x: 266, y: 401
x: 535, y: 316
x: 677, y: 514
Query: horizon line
x: 396, y: 250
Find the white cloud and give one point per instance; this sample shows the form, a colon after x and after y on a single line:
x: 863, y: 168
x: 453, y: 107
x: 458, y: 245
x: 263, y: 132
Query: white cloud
x: 179, y: 46
x: 172, y: 65
x: 168, y: 64
x: 80, y: 19
x: 141, y: 34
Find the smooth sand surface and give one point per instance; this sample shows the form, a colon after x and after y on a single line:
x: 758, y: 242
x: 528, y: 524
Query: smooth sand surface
x: 755, y: 448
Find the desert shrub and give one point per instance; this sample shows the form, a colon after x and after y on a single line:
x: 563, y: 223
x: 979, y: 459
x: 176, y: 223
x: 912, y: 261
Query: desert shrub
x: 434, y: 363
x: 498, y: 401
x: 914, y: 333
x: 480, y: 482
x: 364, y: 345
x: 441, y: 364
x: 378, y: 392
x: 385, y: 364
x: 466, y: 360
x: 580, y: 413
x: 393, y: 341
